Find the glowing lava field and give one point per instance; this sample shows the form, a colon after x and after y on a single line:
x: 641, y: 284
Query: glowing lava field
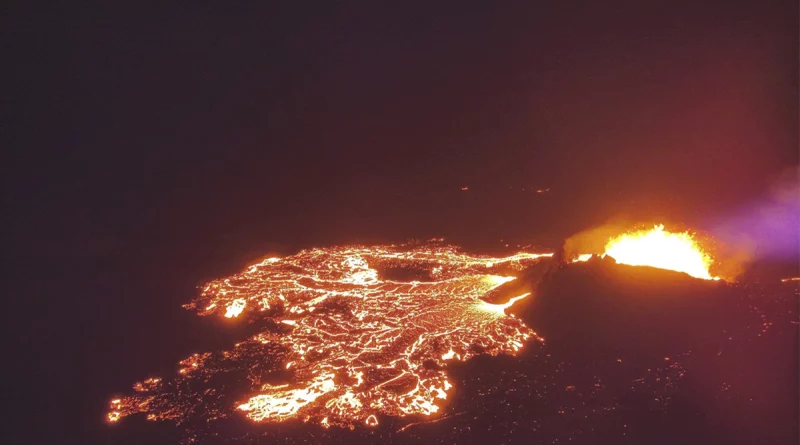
x: 357, y: 336
x: 356, y: 345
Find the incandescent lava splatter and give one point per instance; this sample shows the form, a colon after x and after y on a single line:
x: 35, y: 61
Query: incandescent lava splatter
x: 662, y: 249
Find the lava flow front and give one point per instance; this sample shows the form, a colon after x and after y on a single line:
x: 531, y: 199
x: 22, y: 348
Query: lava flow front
x: 342, y: 341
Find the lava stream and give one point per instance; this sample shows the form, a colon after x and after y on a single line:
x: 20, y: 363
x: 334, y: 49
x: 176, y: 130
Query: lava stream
x: 350, y: 344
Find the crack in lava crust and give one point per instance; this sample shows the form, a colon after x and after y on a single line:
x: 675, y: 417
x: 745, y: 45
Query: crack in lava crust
x: 356, y: 344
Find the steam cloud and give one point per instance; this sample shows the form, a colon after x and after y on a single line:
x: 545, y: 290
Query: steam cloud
x: 763, y: 230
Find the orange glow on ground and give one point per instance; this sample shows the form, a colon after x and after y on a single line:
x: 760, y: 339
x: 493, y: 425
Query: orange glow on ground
x: 662, y: 249
x: 355, y: 343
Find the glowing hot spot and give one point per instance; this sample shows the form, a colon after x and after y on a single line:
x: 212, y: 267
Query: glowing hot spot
x: 662, y: 249
x: 234, y: 308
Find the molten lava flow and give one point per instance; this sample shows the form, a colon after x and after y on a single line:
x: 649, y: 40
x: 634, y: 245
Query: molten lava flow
x: 341, y: 344
x: 662, y: 249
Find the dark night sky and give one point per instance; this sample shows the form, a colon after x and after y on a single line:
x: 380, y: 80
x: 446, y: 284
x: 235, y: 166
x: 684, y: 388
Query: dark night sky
x: 152, y: 148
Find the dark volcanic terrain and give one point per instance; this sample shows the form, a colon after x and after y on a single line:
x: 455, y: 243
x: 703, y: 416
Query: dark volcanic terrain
x: 632, y: 355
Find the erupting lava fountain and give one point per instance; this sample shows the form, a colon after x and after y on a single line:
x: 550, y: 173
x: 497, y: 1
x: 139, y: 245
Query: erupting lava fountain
x: 662, y: 249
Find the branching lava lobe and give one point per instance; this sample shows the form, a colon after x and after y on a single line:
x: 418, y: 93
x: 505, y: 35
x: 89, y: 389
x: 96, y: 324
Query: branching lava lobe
x: 352, y: 344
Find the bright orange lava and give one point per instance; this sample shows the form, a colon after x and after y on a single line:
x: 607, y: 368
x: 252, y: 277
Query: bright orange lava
x: 344, y: 343
x: 662, y: 249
